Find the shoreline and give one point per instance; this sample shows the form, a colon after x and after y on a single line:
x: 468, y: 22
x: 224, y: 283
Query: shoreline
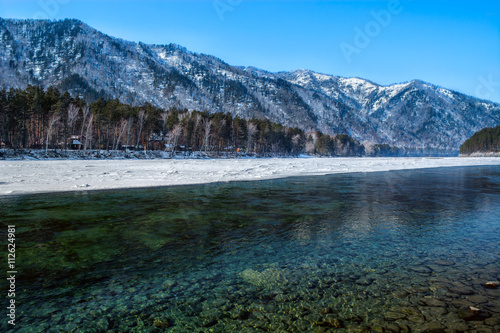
x: 20, y: 177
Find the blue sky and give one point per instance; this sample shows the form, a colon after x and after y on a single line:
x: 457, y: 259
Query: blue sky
x: 454, y: 44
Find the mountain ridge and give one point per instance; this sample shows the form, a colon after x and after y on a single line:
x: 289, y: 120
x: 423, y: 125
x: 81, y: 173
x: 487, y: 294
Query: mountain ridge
x: 73, y: 56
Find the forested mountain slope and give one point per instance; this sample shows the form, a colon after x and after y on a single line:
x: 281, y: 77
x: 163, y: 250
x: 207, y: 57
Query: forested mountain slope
x: 74, y: 57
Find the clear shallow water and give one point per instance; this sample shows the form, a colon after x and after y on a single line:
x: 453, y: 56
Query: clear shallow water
x: 394, y: 252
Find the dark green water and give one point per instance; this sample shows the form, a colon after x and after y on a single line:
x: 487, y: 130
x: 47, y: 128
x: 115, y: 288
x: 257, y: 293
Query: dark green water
x: 379, y: 252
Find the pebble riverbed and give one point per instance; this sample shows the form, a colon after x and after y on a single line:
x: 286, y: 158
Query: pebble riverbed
x: 409, y: 251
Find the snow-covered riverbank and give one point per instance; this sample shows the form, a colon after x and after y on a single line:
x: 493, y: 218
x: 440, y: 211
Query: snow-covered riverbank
x: 23, y: 177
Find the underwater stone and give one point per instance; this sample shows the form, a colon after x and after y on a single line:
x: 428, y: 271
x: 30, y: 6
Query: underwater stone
x: 404, y: 328
x: 364, y: 282
x: 269, y: 278
x: 461, y: 290
x: 459, y: 327
x: 311, y: 284
x: 208, y: 322
x: 477, y: 299
x: 314, y: 318
x: 393, y: 328
x: 331, y: 320
x: 411, y: 311
x: 354, y: 319
x: 434, y: 302
x: 68, y: 328
x: 392, y: 316
x: 239, y: 314
x: 259, y: 315
x: 478, y: 328
x: 358, y: 329
x: 436, y: 312
x: 492, y: 321
x: 444, y: 263
x: 421, y: 269
x: 302, y: 324
x: 492, y: 284
x: 458, y: 303
x: 326, y: 310
x: 102, y: 324
x: 472, y: 313
x: 162, y: 322
x: 417, y: 318
x: 213, y: 314
x: 434, y: 327
x: 277, y: 326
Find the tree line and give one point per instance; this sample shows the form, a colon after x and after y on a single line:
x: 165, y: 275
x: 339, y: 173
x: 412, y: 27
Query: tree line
x: 38, y: 118
x: 485, y: 141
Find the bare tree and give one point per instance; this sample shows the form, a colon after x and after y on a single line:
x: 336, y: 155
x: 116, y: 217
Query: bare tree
x: 53, y: 119
x: 89, y: 132
x: 142, y: 119
x: 164, y: 117
x: 296, y: 142
x: 251, y: 132
x: 175, y: 134
x: 129, y: 130
x: 85, y: 112
x: 207, y: 125
x: 194, y: 140
x: 73, y: 112
x: 311, y: 145
x: 120, y: 129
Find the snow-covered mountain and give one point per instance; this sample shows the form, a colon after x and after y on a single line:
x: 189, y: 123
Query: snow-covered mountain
x: 75, y: 57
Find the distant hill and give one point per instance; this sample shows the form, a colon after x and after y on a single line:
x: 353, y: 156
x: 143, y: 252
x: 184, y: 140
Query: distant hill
x: 486, y: 140
x: 74, y: 57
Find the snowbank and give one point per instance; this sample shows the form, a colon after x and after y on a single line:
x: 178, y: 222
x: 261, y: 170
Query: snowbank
x: 31, y: 176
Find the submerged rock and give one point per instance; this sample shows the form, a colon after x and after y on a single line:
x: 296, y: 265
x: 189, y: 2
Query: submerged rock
x: 492, y: 284
x: 270, y: 278
x: 431, y: 301
x: 435, y: 312
x: 393, y: 316
x: 358, y: 329
x: 169, y: 283
x: 434, y: 327
x: 207, y: 322
x: 331, y: 320
x: 417, y: 318
x: 477, y: 299
x: 472, y: 313
x: 461, y: 290
x: 411, y: 311
x: 364, y: 282
x: 458, y: 326
x: 421, y: 269
x: 492, y: 321
x: 102, y: 324
x: 326, y: 310
x: 393, y: 328
x: 162, y: 322
x: 444, y: 263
